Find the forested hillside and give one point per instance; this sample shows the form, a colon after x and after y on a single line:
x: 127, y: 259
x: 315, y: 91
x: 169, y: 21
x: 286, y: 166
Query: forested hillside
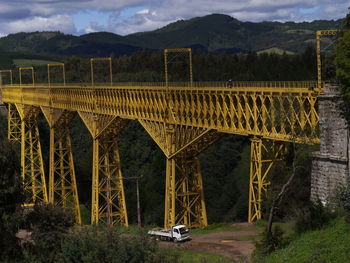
x: 214, y: 32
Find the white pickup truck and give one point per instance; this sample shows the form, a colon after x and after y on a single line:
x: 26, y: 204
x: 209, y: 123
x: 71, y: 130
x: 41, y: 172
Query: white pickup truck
x: 175, y: 234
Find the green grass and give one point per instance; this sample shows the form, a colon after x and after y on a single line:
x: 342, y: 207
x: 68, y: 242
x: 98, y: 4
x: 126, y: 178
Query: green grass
x: 190, y: 256
x: 287, y: 227
x: 31, y: 62
x: 329, y: 245
x: 215, y: 228
x: 218, y: 227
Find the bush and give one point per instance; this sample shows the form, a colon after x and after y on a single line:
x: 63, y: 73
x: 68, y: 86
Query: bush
x: 48, y: 224
x: 267, y: 245
x: 106, y: 245
x: 276, y: 241
x: 315, y: 216
x: 344, y: 198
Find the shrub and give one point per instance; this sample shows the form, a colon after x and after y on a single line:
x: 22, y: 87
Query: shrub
x: 267, y: 245
x: 344, y: 198
x: 106, y: 245
x: 314, y: 216
x: 48, y: 224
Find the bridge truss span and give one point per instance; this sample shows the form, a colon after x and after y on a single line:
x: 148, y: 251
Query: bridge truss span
x: 281, y: 111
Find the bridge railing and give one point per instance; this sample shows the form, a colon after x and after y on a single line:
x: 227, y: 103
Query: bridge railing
x: 205, y: 84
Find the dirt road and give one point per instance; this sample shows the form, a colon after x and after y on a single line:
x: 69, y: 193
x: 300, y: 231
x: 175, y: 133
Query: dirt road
x: 235, y: 245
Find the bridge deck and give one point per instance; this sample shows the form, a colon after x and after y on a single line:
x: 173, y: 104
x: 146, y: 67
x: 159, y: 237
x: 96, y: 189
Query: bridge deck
x: 285, y: 111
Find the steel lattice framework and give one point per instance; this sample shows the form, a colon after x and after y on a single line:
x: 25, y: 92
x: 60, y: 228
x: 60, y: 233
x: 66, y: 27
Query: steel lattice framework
x: 182, y: 118
x: 31, y: 157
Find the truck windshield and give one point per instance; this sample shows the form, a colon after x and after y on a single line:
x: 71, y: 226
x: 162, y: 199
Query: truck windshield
x: 183, y: 230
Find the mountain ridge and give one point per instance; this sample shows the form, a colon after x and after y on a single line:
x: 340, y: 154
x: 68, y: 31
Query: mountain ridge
x: 212, y: 32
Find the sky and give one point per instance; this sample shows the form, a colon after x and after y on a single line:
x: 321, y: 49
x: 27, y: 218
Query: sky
x: 129, y: 16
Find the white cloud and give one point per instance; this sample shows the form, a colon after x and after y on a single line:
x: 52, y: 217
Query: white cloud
x: 142, y: 12
x: 59, y: 22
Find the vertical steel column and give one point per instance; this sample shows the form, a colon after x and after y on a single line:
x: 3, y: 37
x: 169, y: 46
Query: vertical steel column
x: 256, y: 180
x: 108, y: 198
x: 14, y: 124
x: 264, y: 154
x: 32, y: 161
x: 63, y: 186
x: 318, y: 57
x: 184, y: 196
x: 170, y: 196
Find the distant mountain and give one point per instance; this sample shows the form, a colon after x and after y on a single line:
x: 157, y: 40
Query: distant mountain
x: 216, y: 32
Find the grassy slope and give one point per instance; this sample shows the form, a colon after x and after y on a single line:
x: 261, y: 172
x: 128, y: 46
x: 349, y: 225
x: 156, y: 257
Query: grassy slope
x: 218, y: 227
x: 190, y: 256
x: 329, y: 245
x: 8, y: 59
x: 31, y: 62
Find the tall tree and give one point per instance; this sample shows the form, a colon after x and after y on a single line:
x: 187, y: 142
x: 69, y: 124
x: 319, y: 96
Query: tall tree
x: 10, y: 198
x: 342, y: 62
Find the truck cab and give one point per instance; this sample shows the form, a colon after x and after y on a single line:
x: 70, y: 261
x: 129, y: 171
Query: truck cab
x: 180, y: 233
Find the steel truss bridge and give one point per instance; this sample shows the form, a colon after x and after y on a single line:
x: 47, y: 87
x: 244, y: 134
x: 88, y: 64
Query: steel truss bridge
x: 182, y: 118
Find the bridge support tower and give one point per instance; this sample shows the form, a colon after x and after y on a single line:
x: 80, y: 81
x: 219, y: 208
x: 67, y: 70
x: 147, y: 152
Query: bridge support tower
x: 62, y: 180
x: 264, y: 154
x: 108, y: 198
x: 31, y: 156
x: 184, y: 196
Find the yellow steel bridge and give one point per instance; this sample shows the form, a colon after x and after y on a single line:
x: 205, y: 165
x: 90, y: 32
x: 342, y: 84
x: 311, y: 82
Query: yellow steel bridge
x: 182, y: 118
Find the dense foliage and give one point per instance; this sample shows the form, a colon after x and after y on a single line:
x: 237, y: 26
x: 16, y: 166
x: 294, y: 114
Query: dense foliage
x: 342, y: 62
x: 11, y: 197
x: 48, y: 224
x: 90, y: 245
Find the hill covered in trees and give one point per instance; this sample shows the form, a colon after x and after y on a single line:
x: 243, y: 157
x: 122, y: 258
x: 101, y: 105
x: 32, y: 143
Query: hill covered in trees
x: 216, y: 32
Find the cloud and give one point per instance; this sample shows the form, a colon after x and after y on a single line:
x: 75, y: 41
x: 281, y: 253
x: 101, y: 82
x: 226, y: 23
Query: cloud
x: 62, y: 23
x: 159, y: 13
x: 29, y: 15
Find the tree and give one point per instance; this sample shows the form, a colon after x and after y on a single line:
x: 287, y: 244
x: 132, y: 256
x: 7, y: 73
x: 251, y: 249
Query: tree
x: 49, y: 224
x: 11, y: 198
x: 342, y: 62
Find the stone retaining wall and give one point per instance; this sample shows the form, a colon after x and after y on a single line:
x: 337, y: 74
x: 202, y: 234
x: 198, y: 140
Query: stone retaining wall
x: 330, y: 166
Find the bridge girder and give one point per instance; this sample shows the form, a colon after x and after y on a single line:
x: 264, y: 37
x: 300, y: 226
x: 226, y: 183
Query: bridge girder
x: 284, y: 111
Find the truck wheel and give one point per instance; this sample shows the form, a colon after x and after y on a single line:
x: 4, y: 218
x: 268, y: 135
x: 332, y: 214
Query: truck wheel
x: 175, y: 239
